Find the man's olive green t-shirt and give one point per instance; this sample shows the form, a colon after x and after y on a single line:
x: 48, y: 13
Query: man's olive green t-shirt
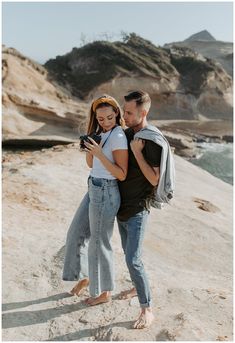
x: 136, y: 190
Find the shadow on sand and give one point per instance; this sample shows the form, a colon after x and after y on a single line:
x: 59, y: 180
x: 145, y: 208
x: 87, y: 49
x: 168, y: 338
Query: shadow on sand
x: 15, y: 305
x: 24, y: 318
x: 92, y: 332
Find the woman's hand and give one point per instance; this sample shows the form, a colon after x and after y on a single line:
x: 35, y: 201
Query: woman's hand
x: 94, y: 149
x: 117, y: 169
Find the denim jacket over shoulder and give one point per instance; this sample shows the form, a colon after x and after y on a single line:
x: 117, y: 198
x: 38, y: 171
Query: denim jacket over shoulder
x: 164, y: 190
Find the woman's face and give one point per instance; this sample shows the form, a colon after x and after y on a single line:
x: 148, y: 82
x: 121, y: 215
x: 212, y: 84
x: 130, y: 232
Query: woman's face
x: 106, y: 118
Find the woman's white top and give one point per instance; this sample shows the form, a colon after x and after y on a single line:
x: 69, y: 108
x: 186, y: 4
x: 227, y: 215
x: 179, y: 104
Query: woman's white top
x: 116, y: 141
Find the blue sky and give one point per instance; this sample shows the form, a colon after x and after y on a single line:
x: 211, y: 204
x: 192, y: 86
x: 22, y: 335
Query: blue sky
x: 43, y: 30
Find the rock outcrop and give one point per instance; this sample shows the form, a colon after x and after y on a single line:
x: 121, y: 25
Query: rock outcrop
x: 205, y: 44
x: 203, y: 35
x: 50, y: 104
x: 182, y: 83
x: 33, y: 106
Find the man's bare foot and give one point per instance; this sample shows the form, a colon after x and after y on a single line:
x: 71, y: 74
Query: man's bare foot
x: 102, y: 298
x: 79, y: 287
x: 130, y: 293
x: 145, y: 319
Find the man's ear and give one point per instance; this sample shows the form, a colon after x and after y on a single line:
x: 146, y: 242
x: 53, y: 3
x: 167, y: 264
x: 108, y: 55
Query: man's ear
x: 144, y: 113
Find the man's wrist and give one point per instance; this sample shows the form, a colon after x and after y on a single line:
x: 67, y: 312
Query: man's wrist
x: 138, y: 155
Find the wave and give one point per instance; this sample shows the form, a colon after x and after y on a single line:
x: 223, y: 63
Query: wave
x: 217, y: 159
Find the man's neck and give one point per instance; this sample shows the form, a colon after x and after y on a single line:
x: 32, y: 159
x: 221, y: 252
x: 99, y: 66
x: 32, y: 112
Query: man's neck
x: 140, y: 126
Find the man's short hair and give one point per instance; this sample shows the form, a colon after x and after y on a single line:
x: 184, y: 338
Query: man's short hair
x: 140, y: 97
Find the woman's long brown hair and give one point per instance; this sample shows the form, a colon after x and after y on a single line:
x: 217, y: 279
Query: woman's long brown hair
x: 93, y: 125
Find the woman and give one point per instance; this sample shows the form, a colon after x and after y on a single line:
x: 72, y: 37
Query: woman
x: 108, y: 162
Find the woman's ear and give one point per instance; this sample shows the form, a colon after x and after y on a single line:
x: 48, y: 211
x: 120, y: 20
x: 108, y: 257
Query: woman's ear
x: 122, y: 123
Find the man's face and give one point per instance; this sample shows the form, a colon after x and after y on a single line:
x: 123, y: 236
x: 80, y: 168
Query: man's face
x: 132, y: 114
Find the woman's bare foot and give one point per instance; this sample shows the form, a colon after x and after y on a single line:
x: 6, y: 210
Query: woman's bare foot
x: 79, y: 287
x: 130, y: 293
x: 145, y: 319
x: 102, y: 298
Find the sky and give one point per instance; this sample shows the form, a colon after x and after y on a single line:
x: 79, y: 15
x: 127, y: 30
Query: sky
x: 43, y: 30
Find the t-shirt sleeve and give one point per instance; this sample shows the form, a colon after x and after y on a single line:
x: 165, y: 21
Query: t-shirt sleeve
x: 153, y: 153
x: 119, y: 141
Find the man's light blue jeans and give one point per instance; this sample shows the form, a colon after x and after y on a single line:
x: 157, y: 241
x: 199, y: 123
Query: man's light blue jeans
x: 132, y: 235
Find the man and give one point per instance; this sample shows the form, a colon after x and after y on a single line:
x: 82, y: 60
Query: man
x: 136, y: 191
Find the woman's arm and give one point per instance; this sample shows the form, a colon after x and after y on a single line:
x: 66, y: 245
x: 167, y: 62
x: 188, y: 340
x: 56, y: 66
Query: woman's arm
x: 89, y: 159
x: 117, y: 169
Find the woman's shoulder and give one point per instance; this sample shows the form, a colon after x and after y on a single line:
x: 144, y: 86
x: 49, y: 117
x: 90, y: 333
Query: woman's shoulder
x: 118, y: 130
x: 118, y: 138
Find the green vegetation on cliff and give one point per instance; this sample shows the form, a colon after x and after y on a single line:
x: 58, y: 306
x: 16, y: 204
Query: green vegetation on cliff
x: 93, y: 64
x: 87, y: 67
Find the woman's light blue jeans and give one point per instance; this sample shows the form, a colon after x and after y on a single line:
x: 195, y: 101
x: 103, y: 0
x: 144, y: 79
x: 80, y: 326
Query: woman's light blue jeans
x: 92, y: 228
x: 76, y: 254
x: 104, y: 203
x: 132, y: 235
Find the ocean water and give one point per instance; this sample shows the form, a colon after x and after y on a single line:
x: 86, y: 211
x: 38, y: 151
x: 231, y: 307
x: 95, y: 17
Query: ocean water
x: 217, y: 159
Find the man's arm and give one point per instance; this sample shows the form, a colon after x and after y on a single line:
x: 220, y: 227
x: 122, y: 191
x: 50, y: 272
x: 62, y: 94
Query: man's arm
x: 151, y: 173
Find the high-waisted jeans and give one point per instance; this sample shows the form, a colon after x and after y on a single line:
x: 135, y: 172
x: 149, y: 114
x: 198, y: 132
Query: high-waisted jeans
x: 89, y: 236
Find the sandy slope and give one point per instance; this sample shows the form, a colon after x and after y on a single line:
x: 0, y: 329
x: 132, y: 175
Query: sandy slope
x: 187, y: 253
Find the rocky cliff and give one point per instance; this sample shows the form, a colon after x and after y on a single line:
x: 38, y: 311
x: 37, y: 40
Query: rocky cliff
x: 34, y: 108
x: 45, y: 105
x: 205, y: 44
x: 203, y: 35
x: 182, y: 83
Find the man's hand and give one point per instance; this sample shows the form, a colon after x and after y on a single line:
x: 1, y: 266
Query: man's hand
x: 137, y: 145
x: 151, y: 173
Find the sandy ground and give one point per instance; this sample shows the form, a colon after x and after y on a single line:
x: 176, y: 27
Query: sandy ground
x: 187, y: 254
